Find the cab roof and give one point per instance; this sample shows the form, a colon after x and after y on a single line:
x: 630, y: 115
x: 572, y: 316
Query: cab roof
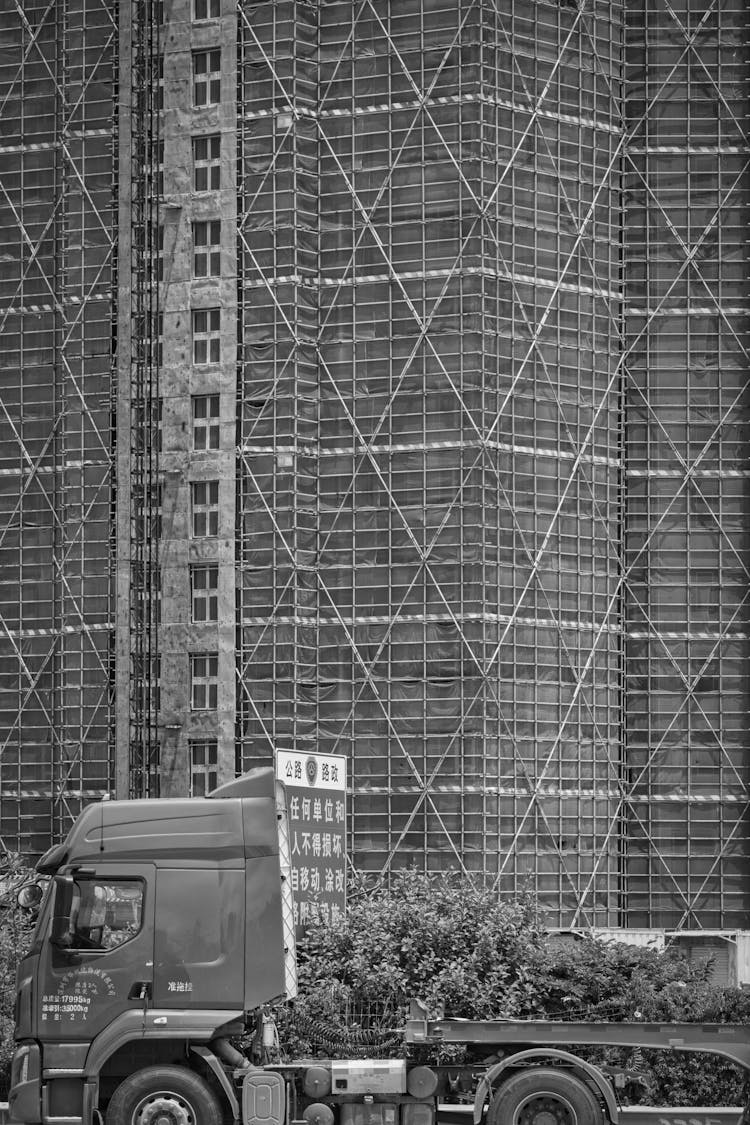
x: 238, y: 820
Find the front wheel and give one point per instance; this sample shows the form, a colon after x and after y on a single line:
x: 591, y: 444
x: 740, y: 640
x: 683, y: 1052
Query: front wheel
x: 544, y: 1096
x: 164, y: 1095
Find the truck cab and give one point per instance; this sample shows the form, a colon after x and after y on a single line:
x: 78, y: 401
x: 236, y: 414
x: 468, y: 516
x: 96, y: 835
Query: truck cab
x: 164, y: 924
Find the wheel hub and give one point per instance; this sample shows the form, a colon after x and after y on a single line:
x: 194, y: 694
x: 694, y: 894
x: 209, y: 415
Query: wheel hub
x: 545, y: 1110
x: 544, y: 1117
x: 163, y: 1109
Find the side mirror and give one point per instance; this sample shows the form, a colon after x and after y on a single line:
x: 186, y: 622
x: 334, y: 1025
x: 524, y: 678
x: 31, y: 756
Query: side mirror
x: 63, y: 892
x: 30, y: 896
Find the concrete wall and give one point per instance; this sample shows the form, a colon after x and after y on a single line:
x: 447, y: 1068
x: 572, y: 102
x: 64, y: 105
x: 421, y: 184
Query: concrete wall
x: 181, y: 464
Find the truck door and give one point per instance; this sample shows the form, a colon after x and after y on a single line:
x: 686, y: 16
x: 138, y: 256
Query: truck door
x: 199, y: 950
x: 99, y: 961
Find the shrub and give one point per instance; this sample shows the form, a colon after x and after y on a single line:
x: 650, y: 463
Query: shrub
x: 445, y: 939
x: 15, y: 933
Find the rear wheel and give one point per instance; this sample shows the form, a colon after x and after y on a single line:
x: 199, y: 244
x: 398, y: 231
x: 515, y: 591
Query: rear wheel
x: 164, y: 1095
x: 544, y: 1096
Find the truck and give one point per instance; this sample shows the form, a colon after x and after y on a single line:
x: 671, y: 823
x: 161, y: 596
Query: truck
x: 165, y: 935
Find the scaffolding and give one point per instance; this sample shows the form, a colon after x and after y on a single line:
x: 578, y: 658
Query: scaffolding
x: 138, y: 484
x: 430, y: 397
x: 492, y: 407
x: 687, y: 184
x: 57, y: 131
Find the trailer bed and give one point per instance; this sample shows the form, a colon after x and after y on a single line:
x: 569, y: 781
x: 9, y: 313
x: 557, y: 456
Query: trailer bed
x: 629, y: 1115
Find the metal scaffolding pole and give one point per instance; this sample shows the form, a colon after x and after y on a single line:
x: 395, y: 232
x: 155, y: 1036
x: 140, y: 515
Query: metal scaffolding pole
x: 141, y: 550
x: 57, y: 64
x: 462, y: 444
x: 687, y: 178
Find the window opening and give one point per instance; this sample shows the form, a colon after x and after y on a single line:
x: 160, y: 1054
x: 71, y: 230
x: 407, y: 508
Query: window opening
x: 206, y: 10
x: 204, y: 495
x: 206, y: 336
x: 204, y: 766
x: 206, y: 77
x: 207, y: 248
x: 105, y: 913
x: 205, y: 422
x: 204, y: 681
x: 205, y: 594
x: 207, y: 163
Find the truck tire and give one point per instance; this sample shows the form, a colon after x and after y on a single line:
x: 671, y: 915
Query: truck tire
x: 544, y: 1096
x: 164, y: 1095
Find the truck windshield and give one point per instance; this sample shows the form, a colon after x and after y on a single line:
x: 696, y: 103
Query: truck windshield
x: 105, y: 913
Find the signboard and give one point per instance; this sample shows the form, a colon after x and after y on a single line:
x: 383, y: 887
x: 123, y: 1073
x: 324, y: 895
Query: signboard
x: 316, y: 806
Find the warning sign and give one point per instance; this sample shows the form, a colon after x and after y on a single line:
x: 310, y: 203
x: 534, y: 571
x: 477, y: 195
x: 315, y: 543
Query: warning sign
x: 316, y: 806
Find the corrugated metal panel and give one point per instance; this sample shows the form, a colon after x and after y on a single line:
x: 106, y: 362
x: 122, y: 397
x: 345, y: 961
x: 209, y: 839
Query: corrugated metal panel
x: 717, y: 950
x: 742, y: 970
x: 646, y: 939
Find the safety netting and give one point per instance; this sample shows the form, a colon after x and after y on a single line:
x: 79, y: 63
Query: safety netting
x: 687, y: 185
x: 429, y: 496
x: 57, y: 168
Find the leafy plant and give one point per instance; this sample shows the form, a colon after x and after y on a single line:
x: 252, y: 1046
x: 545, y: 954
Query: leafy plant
x: 446, y: 940
x: 15, y: 934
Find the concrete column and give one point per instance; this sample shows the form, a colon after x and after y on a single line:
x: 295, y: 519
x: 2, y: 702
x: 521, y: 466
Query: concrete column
x: 180, y: 380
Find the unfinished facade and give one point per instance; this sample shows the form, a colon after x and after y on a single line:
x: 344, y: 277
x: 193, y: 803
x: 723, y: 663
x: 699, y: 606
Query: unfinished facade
x: 58, y: 129
x: 385, y: 393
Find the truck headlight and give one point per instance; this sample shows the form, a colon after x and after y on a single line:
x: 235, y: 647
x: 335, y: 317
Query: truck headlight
x: 20, y: 1068
x: 25, y: 1065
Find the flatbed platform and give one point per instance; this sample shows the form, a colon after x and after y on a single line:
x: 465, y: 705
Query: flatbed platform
x: 629, y: 1115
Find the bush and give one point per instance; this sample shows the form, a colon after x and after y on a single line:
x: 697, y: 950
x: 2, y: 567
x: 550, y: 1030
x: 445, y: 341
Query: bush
x: 596, y: 981
x: 16, y: 926
x: 444, y: 939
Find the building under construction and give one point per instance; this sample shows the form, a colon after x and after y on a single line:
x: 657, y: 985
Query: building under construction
x: 375, y: 382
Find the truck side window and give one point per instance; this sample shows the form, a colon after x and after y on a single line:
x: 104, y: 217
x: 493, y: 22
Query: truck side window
x: 105, y: 913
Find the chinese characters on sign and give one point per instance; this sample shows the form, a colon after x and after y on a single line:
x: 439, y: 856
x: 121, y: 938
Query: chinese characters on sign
x: 316, y: 807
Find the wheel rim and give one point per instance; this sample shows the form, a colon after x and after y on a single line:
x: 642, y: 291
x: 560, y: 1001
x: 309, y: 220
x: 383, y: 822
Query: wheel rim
x: 163, y: 1107
x: 545, y: 1108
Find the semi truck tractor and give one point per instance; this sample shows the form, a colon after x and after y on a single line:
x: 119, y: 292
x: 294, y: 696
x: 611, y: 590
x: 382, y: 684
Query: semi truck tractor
x: 165, y: 933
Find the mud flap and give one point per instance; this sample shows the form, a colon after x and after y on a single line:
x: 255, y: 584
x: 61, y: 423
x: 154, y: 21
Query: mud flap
x: 263, y: 1100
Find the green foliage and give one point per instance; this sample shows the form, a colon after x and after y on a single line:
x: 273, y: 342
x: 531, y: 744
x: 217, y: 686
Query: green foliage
x: 446, y: 940
x: 592, y: 980
x: 15, y: 934
x: 449, y: 942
